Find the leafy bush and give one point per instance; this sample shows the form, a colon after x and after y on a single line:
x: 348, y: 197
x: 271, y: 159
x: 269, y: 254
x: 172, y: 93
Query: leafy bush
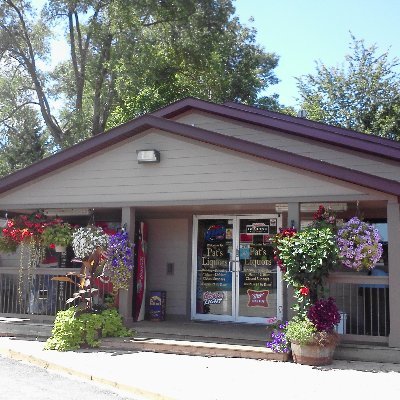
x: 308, y: 257
x: 300, y: 330
x: 72, y: 331
x: 58, y: 234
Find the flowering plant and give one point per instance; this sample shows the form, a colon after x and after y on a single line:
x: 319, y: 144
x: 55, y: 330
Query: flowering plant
x: 283, y: 233
x: 359, y: 246
x: 279, y: 342
x: 302, y: 331
x: 317, y: 326
x: 58, y: 234
x: 119, y: 260
x: 324, y: 314
x: 86, y: 240
x: 306, y: 258
x: 25, y: 227
x: 323, y: 217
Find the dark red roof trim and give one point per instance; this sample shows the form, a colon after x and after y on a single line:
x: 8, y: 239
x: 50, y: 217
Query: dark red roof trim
x: 315, y: 124
x: 141, y: 124
x: 356, y: 141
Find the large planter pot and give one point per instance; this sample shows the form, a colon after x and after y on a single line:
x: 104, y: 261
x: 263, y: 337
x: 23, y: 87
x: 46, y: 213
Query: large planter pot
x: 313, y: 354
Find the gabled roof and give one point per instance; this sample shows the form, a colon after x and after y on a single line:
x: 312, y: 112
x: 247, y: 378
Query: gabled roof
x: 139, y: 125
x: 297, y: 126
x: 318, y: 125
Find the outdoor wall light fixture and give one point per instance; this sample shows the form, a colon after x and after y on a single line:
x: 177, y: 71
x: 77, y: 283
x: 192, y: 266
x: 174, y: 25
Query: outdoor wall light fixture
x: 148, y: 156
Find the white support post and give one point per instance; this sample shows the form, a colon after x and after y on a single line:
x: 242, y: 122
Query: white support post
x: 125, y: 296
x: 393, y: 220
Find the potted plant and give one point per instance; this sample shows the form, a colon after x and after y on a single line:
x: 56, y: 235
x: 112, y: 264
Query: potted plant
x: 59, y: 235
x: 86, y: 240
x: 119, y: 260
x: 25, y: 232
x: 83, y: 324
x: 306, y: 259
x: 359, y: 245
x: 312, y: 337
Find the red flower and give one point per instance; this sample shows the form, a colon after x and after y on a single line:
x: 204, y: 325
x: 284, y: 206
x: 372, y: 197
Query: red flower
x: 52, y: 245
x: 304, y: 291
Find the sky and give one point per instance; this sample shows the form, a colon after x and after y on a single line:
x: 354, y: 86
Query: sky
x: 302, y: 32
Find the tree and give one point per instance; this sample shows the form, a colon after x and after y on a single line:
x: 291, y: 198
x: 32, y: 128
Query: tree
x: 126, y: 58
x: 363, y: 94
x: 22, y: 141
x: 216, y: 59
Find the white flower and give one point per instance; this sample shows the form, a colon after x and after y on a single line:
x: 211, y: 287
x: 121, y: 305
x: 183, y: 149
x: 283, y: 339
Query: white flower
x: 86, y: 240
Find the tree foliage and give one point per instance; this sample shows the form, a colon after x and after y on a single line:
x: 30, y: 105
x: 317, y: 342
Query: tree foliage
x: 124, y: 58
x: 362, y: 94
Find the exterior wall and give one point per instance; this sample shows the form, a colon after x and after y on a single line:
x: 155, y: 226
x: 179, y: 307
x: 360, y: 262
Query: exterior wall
x: 288, y: 142
x: 10, y: 260
x: 188, y: 171
x: 168, y: 243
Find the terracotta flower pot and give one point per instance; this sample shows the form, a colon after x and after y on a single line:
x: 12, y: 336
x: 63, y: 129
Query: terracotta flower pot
x: 313, y: 354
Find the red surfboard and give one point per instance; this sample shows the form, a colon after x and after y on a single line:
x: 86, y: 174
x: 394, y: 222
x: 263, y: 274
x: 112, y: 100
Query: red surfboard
x: 141, y: 273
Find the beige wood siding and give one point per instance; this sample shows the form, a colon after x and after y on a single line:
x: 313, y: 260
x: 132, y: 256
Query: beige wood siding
x: 188, y: 171
x: 10, y: 260
x: 289, y: 142
x: 168, y: 243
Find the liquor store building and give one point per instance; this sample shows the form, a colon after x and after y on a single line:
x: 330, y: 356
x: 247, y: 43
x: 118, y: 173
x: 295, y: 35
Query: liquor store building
x: 213, y: 183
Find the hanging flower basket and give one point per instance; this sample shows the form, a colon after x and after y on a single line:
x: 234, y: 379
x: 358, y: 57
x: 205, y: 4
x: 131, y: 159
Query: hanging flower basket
x: 88, y: 239
x: 58, y: 236
x: 119, y: 260
x: 359, y: 245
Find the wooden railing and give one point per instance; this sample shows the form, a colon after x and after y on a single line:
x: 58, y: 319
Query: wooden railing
x: 364, y: 304
x: 38, y: 294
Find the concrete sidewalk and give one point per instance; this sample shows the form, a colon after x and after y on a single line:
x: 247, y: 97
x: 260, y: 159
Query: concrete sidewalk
x: 150, y: 375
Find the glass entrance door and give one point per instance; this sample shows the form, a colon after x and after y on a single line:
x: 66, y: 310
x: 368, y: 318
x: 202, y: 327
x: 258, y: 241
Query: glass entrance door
x: 235, y: 277
x: 258, y: 279
x: 213, y: 266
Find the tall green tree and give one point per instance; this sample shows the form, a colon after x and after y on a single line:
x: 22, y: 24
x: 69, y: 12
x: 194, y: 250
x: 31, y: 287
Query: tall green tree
x: 22, y: 142
x: 208, y: 54
x: 22, y: 138
x: 362, y: 94
x: 126, y: 58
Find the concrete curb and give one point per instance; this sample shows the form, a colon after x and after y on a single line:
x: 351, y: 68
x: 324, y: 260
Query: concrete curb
x: 39, y: 362
x: 193, y: 348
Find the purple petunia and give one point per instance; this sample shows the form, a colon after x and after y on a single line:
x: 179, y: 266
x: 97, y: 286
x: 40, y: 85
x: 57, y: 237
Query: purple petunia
x: 359, y: 245
x: 279, y: 342
x: 120, y: 260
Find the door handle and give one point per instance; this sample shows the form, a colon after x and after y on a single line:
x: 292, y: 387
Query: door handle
x: 231, y: 264
x: 230, y: 269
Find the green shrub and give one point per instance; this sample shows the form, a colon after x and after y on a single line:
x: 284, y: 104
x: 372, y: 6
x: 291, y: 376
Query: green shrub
x: 71, y: 332
x: 59, y: 234
x: 300, y: 330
